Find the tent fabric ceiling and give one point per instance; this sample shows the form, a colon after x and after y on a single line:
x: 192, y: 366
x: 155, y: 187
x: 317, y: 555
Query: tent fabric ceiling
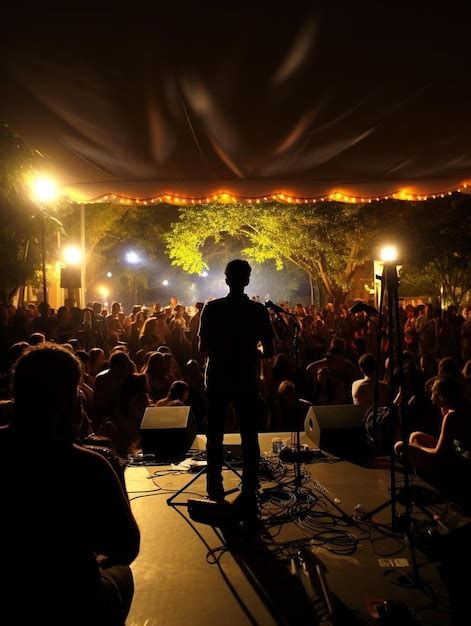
x: 192, y: 99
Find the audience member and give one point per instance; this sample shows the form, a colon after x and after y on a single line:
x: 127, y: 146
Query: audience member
x: 68, y: 536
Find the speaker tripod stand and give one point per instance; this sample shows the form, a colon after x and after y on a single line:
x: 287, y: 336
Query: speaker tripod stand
x: 202, y: 472
x: 398, y: 412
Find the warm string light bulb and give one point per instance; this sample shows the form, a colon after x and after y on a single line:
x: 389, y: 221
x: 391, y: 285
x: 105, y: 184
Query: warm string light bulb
x: 223, y: 196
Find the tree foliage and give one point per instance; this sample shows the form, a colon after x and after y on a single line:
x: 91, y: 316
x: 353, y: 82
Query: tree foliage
x: 19, y: 217
x: 329, y: 241
x: 440, y: 240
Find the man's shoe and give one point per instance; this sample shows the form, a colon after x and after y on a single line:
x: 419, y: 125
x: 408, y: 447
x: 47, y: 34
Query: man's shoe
x: 218, y: 495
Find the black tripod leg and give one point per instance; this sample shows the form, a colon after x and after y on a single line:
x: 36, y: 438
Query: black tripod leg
x: 195, y: 478
x: 184, y: 488
x: 368, y: 516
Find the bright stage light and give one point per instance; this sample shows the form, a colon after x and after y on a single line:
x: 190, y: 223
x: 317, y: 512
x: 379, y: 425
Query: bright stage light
x: 72, y: 255
x: 44, y: 189
x: 388, y: 254
x: 132, y: 257
x: 109, y: 274
x: 165, y: 283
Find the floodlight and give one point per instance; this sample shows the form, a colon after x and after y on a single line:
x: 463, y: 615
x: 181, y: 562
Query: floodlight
x: 72, y: 255
x: 388, y: 254
x: 44, y: 189
x: 132, y: 257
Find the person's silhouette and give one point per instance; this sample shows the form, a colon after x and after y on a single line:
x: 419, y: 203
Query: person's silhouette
x: 229, y: 333
x: 74, y: 509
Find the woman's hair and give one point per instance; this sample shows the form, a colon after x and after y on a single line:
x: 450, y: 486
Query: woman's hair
x: 149, y: 327
x: 155, y: 366
x: 450, y: 390
x: 178, y: 390
x: 95, y: 354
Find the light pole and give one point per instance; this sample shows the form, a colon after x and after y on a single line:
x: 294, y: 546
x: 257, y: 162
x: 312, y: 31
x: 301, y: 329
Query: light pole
x: 133, y: 259
x: 73, y: 259
x: 44, y: 191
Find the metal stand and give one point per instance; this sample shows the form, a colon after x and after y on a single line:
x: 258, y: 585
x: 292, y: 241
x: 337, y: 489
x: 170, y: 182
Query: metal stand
x: 170, y: 501
x: 396, y: 398
x: 398, y: 408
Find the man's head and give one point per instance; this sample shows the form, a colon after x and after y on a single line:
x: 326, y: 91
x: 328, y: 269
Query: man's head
x: 44, y: 308
x: 115, y: 308
x: 237, y: 274
x: 45, y: 387
x: 367, y: 364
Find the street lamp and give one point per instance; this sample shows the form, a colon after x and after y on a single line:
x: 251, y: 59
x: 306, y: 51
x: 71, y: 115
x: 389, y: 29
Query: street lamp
x: 44, y: 190
x: 133, y: 259
x: 104, y: 292
x: 71, y: 273
x: 388, y: 254
x: 72, y: 255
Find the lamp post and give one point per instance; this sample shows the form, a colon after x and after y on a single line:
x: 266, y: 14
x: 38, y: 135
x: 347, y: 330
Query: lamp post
x: 73, y: 259
x: 44, y: 191
x: 133, y: 259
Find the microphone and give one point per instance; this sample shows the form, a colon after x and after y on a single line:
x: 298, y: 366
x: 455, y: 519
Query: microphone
x: 275, y: 308
x: 362, y: 306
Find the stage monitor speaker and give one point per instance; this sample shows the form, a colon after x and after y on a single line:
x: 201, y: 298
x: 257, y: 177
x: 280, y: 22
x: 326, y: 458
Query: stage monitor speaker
x: 167, y: 432
x: 338, y: 429
x: 71, y: 278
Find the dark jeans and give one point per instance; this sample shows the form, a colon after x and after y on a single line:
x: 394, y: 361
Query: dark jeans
x: 247, y: 407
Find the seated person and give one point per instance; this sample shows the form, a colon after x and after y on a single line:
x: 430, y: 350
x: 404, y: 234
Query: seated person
x: 177, y: 395
x: 363, y: 389
x: 444, y: 461
x: 76, y: 511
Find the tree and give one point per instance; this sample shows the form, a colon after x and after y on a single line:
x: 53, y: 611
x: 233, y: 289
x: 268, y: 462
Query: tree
x: 440, y: 242
x: 113, y: 229
x: 18, y: 214
x: 329, y: 241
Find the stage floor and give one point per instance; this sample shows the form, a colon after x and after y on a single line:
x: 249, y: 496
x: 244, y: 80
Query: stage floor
x: 175, y: 585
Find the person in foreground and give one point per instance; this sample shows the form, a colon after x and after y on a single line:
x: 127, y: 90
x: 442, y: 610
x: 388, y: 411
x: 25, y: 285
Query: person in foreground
x: 64, y: 510
x: 229, y: 333
x: 445, y: 461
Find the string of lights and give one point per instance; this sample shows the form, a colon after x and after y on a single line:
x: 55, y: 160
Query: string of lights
x: 279, y: 197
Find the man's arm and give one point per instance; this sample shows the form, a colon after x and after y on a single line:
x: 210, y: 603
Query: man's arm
x: 114, y: 531
x: 204, y: 330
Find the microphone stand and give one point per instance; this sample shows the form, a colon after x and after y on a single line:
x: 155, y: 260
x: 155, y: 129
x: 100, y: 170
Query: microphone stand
x: 297, y: 476
x: 295, y: 353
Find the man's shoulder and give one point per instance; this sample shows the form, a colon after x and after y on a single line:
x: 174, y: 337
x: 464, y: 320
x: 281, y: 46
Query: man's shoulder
x: 102, y: 376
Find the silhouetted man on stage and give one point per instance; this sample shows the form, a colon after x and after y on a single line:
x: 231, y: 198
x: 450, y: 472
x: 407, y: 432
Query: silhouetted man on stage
x: 230, y: 330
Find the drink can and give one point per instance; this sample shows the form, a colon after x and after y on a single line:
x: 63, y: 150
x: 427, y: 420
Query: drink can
x: 276, y: 445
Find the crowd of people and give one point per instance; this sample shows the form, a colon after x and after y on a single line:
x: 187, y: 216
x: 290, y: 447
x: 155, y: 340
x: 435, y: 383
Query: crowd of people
x: 132, y: 360
x: 81, y: 372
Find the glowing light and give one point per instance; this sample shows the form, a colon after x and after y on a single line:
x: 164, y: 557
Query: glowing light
x: 109, y: 274
x: 103, y: 291
x: 204, y: 274
x: 388, y: 254
x: 165, y: 283
x: 72, y: 255
x: 132, y: 257
x: 44, y: 189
